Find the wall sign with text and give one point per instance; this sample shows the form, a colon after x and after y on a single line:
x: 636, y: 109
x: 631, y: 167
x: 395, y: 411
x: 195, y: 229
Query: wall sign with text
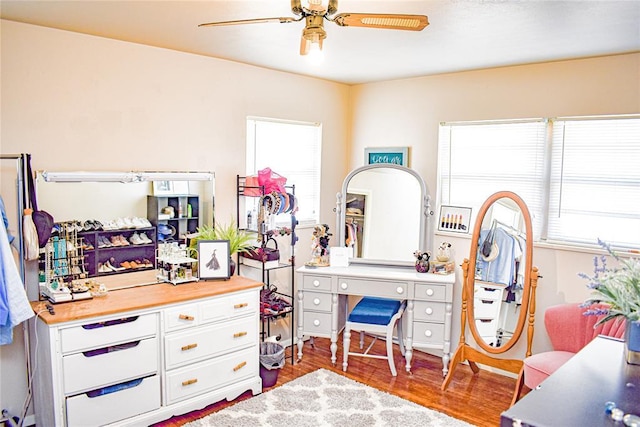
x: 394, y: 155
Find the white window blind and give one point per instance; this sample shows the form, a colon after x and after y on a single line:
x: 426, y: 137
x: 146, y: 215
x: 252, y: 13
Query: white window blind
x: 293, y: 150
x: 595, y: 181
x: 477, y: 159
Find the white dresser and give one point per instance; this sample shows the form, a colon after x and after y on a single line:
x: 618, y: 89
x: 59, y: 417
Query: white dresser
x: 322, y: 304
x: 139, y: 356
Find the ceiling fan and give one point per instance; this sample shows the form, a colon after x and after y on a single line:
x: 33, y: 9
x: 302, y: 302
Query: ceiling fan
x: 314, y: 15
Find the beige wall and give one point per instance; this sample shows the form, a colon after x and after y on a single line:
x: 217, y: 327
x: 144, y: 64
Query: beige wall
x: 78, y: 102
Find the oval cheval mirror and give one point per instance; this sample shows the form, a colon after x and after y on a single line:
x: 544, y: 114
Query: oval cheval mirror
x: 499, y: 284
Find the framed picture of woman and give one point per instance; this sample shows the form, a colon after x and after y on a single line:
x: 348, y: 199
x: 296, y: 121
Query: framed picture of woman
x: 213, y: 259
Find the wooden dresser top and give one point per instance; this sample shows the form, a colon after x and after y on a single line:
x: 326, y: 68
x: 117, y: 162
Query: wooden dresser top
x: 138, y: 291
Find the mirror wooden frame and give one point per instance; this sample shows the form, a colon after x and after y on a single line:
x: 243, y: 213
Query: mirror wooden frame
x: 486, y: 353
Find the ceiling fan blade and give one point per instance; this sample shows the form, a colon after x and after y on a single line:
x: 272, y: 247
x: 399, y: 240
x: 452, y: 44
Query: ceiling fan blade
x: 381, y: 20
x: 282, y: 20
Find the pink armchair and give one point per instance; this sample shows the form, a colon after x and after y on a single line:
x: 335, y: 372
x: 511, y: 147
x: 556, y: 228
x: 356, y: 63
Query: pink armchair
x: 569, y: 331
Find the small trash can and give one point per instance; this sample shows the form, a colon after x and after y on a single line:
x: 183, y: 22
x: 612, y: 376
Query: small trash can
x: 271, y: 361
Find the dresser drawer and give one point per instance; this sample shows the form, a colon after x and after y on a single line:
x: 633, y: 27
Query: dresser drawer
x: 184, y: 316
x: 198, y: 344
x: 229, y: 307
x: 317, y: 324
x: 196, y: 379
x: 109, y: 365
x: 487, y: 292
x: 486, y: 308
x: 321, y: 283
x: 379, y: 288
x: 425, y: 291
x: 487, y: 327
x: 124, y: 401
x: 429, y: 311
x: 316, y: 301
x: 104, y: 333
x: 428, y: 333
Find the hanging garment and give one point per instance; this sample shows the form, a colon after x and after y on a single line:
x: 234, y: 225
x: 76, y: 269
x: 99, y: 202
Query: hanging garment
x: 502, y: 269
x: 12, y: 287
x: 6, y: 221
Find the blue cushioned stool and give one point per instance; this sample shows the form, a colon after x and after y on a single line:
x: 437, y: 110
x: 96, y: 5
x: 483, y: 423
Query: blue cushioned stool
x: 376, y: 316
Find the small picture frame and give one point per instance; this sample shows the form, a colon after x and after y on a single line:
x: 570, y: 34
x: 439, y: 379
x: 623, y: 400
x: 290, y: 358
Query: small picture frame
x: 213, y: 259
x: 162, y: 188
x: 455, y: 219
x: 394, y: 155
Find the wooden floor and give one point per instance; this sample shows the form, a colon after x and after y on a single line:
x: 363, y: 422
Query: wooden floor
x: 477, y: 399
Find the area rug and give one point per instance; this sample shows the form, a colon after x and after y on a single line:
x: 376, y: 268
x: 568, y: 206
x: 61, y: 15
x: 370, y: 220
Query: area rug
x: 324, y: 398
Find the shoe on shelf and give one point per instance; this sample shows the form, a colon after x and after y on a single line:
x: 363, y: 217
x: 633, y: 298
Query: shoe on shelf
x: 126, y: 265
x: 112, y: 265
x: 115, y: 241
x: 144, y: 238
x: 136, y: 240
x: 147, y: 263
x: 123, y: 241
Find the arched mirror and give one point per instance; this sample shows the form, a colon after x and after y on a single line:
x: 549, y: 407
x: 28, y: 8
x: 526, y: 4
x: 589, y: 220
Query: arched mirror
x: 499, y: 284
x: 382, y: 214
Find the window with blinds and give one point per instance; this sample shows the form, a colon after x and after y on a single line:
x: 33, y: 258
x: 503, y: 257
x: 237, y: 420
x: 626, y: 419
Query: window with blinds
x: 293, y: 150
x: 477, y: 159
x: 595, y: 180
x: 579, y: 176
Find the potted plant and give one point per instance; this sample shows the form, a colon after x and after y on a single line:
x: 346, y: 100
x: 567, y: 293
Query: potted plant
x: 619, y: 289
x: 239, y: 240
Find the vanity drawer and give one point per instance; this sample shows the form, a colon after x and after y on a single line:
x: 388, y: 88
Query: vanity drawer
x: 486, y: 308
x: 199, y: 378
x: 428, y: 333
x: 106, y: 332
x: 317, y: 324
x: 109, y: 365
x: 317, y: 301
x: 487, y: 292
x: 124, y: 401
x: 321, y: 283
x: 425, y: 291
x: 429, y: 310
x: 379, y: 288
x: 201, y: 343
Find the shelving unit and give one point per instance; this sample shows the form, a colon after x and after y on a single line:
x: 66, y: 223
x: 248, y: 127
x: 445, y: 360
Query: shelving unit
x: 256, y: 224
x: 97, y: 256
x: 182, y: 212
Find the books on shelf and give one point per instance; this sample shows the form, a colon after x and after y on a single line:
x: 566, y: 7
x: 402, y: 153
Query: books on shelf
x: 258, y: 264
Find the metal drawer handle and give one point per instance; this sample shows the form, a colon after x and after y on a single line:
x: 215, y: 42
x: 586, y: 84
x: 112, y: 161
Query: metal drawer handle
x: 189, y: 382
x: 430, y: 292
x: 239, y: 334
x: 400, y: 290
x: 316, y: 301
x: 189, y: 346
x: 316, y: 322
x: 316, y: 283
x: 186, y: 317
x: 429, y: 310
x: 239, y: 366
x: 241, y: 305
x: 344, y: 285
x: 428, y: 333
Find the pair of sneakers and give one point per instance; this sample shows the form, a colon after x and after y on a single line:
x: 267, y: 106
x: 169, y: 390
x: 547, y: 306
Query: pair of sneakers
x: 140, y: 239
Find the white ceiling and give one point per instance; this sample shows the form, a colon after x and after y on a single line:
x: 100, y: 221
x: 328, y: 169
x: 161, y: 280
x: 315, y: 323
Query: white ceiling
x: 462, y: 35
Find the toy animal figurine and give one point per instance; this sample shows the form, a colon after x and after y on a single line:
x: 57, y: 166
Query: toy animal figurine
x: 422, y: 261
x: 444, y: 252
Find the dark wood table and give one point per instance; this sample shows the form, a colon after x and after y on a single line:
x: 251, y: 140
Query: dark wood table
x: 575, y: 395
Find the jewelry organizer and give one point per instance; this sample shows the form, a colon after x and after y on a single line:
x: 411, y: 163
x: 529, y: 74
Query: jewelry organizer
x: 64, y: 262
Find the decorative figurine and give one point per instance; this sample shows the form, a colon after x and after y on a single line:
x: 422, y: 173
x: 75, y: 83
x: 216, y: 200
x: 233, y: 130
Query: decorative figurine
x: 422, y: 261
x: 444, y: 252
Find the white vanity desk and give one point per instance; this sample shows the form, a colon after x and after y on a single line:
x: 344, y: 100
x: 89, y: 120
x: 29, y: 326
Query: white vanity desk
x: 322, y: 301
